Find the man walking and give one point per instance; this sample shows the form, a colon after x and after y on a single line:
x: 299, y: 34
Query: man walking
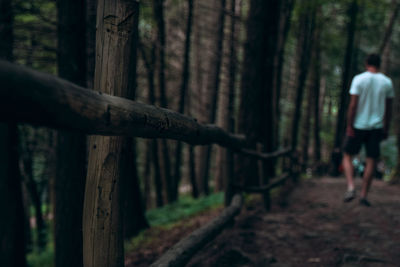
x: 368, y: 121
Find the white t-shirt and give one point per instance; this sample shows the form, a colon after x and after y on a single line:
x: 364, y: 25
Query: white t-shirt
x: 372, y: 89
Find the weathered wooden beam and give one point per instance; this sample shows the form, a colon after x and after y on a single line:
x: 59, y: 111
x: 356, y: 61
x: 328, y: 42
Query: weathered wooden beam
x: 181, y: 253
x: 265, y: 156
x: 262, y: 189
x: 33, y: 97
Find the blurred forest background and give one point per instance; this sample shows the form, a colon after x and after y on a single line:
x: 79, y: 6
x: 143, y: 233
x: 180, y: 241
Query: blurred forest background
x: 191, y: 59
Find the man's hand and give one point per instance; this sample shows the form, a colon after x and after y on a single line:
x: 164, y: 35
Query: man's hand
x: 350, y: 131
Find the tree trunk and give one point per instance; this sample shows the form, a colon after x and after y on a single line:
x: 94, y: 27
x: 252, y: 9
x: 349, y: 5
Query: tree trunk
x: 161, y: 48
x: 115, y: 74
x: 69, y: 183
x: 12, y: 234
x: 255, y: 82
x: 344, y: 94
x: 212, y: 93
x: 183, y: 95
x: 304, y: 52
x: 35, y: 198
x: 284, y: 27
x: 150, y: 67
x: 91, y: 6
x: 134, y: 219
x: 305, y: 140
x: 316, y: 96
x: 389, y: 28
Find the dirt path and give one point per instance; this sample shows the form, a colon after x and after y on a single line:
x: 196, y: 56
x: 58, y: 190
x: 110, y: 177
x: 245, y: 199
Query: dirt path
x: 316, y: 229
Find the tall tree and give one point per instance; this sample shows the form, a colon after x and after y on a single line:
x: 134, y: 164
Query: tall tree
x: 183, y: 96
x: 227, y: 98
x: 256, y: 83
x: 304, y: 45
x: 69, y: 183
x: 211, y: 93
x: 316, y: 81
x: 158, y: 7
x: 344, y: 93
x: 12, y: 234
x: 114, y: 74
x: 150, y: 62
x: 284, y: 27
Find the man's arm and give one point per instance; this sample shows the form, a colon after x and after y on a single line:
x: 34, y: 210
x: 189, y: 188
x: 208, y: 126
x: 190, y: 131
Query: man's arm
x: 388, y: 117
x: 351, y: 114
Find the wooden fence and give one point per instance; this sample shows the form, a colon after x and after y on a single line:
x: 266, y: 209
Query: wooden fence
x: 29, y: 96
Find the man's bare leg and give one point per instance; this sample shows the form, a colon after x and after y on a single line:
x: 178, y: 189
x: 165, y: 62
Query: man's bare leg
x: 348, y: 171
x: 368, y: 176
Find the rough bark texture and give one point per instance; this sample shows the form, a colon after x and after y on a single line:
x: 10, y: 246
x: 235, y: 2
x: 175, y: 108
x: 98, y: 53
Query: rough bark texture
x: 344, y: 94
x: 115, y: 74
x: 56, y: 103
x: 69, y: 183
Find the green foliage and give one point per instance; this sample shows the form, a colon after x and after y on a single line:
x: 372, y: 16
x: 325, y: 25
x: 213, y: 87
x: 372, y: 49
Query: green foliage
x: 169, y: 216
x: 44, y: 258
x: 41, y: 259
x: 184, y: 208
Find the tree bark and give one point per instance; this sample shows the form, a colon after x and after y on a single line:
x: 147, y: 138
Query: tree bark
x: 304, y: 51
x: 69, y: 183
x: 12, y: 234
x: 150, y: 67
x: 389, y: 28
x: 344, y: 94
x: 162, y: 84
x: 284, y: 27
x: 115, y: 74
x: 212, y: 93
x: 227, y: 97
x: 134, y: 219
x: 183, y: 95
x: 256, y: 84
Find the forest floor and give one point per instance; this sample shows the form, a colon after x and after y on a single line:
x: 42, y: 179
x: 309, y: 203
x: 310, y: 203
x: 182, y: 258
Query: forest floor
x: 315, y: 229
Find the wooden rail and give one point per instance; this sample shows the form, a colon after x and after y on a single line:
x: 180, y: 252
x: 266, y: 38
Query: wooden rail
x: 37, y: 98
x: 264, y: 188
x: 33, y: 97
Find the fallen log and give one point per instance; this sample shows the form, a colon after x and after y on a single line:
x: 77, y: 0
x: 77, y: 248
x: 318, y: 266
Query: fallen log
x: 181, y: 253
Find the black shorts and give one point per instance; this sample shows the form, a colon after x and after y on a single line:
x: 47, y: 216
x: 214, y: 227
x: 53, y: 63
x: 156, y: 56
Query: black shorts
x: 371, y: 139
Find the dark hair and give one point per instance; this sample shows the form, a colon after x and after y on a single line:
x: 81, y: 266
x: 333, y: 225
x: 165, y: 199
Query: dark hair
x: 373, y: 60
